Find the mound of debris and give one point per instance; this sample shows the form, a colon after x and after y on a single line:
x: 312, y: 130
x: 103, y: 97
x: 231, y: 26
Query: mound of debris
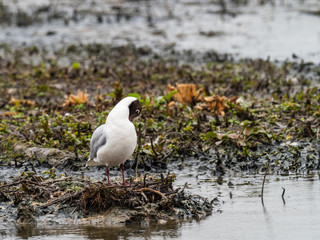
x: 83, y: 201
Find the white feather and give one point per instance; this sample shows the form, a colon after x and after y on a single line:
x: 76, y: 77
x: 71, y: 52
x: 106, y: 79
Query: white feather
x: 121, y: 136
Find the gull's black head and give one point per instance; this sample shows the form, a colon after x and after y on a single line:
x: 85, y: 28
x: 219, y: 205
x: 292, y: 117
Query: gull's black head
x: 134, y: 109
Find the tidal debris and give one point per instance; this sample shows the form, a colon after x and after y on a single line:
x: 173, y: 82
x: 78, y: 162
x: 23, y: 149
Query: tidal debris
x: 145, y: 200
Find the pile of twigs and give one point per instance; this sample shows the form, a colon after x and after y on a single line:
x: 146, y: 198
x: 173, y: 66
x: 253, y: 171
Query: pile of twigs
x: 96, y: 197
x: 100, y: 197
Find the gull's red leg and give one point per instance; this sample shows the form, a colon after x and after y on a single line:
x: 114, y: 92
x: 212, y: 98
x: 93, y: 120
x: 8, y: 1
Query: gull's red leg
x: 122, y: 168
x: 107, y: 171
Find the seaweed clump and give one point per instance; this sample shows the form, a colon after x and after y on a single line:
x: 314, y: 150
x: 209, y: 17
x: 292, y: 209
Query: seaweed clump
x: 146, y: 199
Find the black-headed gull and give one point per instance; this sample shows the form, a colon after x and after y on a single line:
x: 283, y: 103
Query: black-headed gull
x: 114, y: 142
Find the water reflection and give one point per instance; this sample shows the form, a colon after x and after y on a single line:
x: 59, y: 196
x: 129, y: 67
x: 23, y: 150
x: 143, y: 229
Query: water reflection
x: 26, y: 231
x: 268, y: 220
x: 244, y: 217
x: 166, y: 231
x: 169, y: 230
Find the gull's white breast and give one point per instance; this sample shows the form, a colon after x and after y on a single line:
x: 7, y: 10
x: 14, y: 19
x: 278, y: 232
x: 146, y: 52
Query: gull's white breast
x: 120, y: 144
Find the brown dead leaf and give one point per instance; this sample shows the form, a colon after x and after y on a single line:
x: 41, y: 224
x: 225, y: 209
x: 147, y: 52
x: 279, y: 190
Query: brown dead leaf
x: 81, y: 97
x: 99, y: 96
x: 10, y: 114
x: 171, y: 104
x: 198, y: 107
x: 233, y: 136
x: 17, y: 102
x: 186, y: 92
x: 233, y: 99
x: 216, y: 104
x: 171, y: 88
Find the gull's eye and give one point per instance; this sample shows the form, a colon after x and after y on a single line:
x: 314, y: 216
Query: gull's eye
x: 137, y: 111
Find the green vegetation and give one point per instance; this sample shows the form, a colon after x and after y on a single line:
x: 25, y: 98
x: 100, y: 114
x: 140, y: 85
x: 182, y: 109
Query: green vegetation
x: 239, y: 110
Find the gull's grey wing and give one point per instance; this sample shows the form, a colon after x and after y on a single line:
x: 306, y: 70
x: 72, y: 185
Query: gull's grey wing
x: 98, y: 139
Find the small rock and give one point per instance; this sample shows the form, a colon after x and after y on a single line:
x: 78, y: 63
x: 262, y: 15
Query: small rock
x: 144, y: 50
x: 220, y: 180
x: 51, y: 33
x: 202, y: 168
x: 52, y: 156
x: 161, y: 221
x: 3, y: 197
x: 230, y: 184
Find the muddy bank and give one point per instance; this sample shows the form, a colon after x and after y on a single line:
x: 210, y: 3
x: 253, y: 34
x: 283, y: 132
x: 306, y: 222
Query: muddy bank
x: 32, y: 200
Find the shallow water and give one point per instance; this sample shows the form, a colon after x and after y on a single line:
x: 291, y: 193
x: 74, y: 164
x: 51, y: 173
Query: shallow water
x: 239, y: 215
x: 244, y: 217
x: 259, y: 31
